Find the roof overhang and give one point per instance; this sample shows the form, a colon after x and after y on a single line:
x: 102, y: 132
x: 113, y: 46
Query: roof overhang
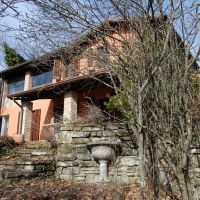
x: 33, y: 65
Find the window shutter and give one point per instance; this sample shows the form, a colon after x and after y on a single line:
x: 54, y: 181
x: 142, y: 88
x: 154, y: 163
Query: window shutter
x: 56, y: 73
x: 76, y: 67
x: 91, y: 61
x: 102, y: 56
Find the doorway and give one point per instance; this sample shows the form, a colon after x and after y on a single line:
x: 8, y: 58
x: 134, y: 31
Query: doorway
x: 35, y: 126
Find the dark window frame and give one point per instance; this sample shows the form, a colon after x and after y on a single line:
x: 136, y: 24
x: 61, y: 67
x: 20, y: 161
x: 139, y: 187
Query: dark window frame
x: 42, y: 78
x: 103, y: 54
x: 16, y: 85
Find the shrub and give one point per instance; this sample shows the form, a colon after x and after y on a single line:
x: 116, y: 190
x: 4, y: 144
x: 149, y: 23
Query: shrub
x: 6, y: 144
x: 94, y: 115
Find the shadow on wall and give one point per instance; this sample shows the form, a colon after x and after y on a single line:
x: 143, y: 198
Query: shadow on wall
x: 47, y: 133
x: 53, y: 114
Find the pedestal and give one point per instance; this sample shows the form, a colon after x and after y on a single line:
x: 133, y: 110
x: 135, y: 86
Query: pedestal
x: 103, y: 169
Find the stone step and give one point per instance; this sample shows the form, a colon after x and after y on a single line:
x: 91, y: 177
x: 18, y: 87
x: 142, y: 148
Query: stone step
x: 37, y: 165
x: 33, y: 159
x: 27, y: 153
x: 16, y: 174
x: 37, y: 145
x: 15, y: 165
x: 26, y: 169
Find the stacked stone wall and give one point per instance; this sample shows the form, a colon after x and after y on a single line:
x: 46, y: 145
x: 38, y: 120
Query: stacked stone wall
x: 75, y: 162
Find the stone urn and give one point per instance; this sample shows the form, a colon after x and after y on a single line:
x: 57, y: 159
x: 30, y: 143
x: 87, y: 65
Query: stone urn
x: 19, y: 138
x: 103, y: 152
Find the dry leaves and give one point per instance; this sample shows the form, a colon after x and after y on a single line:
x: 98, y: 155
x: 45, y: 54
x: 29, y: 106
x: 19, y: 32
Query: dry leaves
x: 54, y: 189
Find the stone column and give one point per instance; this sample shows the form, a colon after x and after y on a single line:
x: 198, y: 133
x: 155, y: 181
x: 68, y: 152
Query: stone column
x: 5, y: 87
x: 70, y: 106
x: 28, y: 81
x: 103, y: 170
x: 4, y: 93
x: 3, y: 126
x: 27, y: 119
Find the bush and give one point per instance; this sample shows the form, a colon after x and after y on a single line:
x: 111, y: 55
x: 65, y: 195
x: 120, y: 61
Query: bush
x: 6, y: 144
x: 94, y: 115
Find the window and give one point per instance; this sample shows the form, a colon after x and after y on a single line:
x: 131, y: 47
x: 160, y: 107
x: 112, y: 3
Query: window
x: 102, y: 56
x: 72, y: 70
x: 42, y: 78
x: 16, y: 85
x: 90, y: 60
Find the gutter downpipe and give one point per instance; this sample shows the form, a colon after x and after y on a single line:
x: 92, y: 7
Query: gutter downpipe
x: 1, y: 98
x: 21, y: 117
x: 1, y: 102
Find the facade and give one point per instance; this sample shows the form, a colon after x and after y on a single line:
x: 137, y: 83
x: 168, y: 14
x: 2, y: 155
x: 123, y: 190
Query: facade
x: 40, y: 93
x: 33, y: 102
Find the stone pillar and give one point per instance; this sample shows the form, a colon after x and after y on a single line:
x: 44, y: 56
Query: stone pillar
x: 4, y: 93
x: 3, y: 126
x: 70, y: 106
x: 103, y: 170
x: 5, y: 87
x: 27, y: 119
x: 28, y: 81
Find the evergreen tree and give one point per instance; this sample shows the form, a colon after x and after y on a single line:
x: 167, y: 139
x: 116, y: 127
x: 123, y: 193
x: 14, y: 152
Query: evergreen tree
x: 11, y: 56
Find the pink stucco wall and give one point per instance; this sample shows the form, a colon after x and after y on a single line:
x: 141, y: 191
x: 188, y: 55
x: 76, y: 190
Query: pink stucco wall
x: 46, y: 107
x: 46, y: 117
x: 13, y: 113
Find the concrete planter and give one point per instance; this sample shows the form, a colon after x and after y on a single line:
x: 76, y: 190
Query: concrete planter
x: 103, y: 152
x: 18, y: 138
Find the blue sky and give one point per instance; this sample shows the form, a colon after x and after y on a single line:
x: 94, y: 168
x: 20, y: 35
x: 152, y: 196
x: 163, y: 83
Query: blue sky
x: 10, y: 36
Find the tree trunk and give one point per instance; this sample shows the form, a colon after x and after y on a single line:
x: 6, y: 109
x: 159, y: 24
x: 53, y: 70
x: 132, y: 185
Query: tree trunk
x: 142, y: 166
x: 141, y: 145
x: 186, y: 189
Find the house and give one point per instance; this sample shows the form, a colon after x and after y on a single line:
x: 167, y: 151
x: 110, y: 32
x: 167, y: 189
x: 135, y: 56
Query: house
x: 58, y: 86
x: 61, y: 85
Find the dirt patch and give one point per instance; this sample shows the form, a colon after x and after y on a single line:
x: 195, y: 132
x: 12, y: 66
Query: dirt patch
x: 53, y: 189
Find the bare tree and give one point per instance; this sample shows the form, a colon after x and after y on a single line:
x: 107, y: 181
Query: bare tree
x: 6, y: 5
x: 153, y: 64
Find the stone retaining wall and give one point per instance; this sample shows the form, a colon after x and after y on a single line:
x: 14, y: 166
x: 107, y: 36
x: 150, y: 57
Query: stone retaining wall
x: 75, y: 162
x: 31, y: 160
x: 13, y: 171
